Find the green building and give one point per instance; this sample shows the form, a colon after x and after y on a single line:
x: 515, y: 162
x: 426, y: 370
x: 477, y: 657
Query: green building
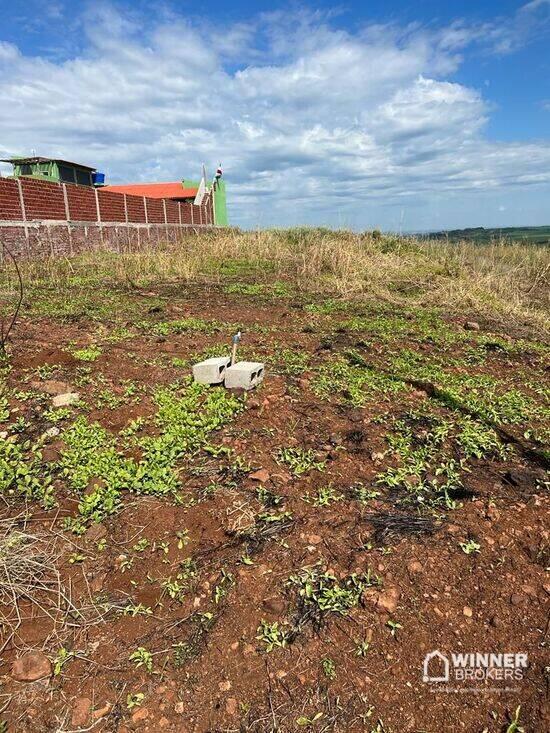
x: 52, y: 169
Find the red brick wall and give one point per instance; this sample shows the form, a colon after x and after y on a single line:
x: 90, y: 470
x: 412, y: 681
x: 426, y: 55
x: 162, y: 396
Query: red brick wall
x: 172, y: 212
x: 136, y: 208
x: 10, y: 206
x: 82, y: 205
x: 111, y: 206
x: 43, y: 200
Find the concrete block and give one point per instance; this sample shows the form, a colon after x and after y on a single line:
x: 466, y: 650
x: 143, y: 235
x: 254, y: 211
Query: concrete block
x: 211, y: 371
x: 244, y: 374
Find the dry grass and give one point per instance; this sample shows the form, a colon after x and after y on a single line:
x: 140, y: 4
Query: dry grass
x: 27, y: 573
x: 501, y: 281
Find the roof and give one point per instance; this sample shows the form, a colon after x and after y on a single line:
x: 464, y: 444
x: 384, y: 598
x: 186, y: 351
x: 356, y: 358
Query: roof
x: 40, y: 159
x: 175, y: 190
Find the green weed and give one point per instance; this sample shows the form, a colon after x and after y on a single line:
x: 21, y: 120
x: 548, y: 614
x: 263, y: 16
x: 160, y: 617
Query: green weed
x: 299, y: 461
x: 272, y: 635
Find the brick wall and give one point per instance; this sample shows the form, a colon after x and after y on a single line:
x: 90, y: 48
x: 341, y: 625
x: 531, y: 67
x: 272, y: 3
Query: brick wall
x: 10, y: 204
x: 41, y: 218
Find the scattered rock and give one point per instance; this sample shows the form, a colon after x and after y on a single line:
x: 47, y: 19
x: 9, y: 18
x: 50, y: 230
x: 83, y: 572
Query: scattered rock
x: 164, y: 722
x: 224, y: 686
x: 414, y: 566
x: 314, y: 539
x: 529, y: 590
x: 51, y: 386
x: 384, y: 601
x: 492, y: 513
x: 63, y: 400
x: 517, y: 599
x: 140, y: 714
x: 262, y: 475
x: 179, y: 708
x: 96, y: 533
x: 231, y: 706
x: 97, y: 582
x: 30, y: 667
x: 102, y: 712
x: 51, y: 432
x: 81, y: 712
x: 467, y: 611
x: 274, y: 605
x: 472, y: 326
x: 50, y: 454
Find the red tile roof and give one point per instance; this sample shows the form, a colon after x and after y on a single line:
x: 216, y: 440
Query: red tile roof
x: 174, y: 190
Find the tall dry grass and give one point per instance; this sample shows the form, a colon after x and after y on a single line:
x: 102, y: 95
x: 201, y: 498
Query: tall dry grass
x: 500, y: 281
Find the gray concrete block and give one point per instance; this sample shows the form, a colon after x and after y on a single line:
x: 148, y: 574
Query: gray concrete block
x: 211, y: 371
x: 244, y: 374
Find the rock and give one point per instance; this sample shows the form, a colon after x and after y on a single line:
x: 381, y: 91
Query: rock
x: 51, y: 386
x: 96, y: 532
x: 414, y: 567
x: 50, y: 454
x: 224, y: 686
x: 97, y: 582
x: 51, y: 433
x: 179, y: 708
x: 140, y: 714
x: 274, y: 605
x: 517, y: 599
x: 63, y: 400
x: 253, y: 404
x: 529, y: 590
x: 384, y: 601
x: 492, y: 513
x: 81, y: 712
x: 102, y: 712
x: 261, y: 475
x: 231, y: 706
x: 164, y: 722
x: 472, y: 326
x: 4, y: 434
x: 314, y: 539
x: 30, y: 667
x: 467, y: 611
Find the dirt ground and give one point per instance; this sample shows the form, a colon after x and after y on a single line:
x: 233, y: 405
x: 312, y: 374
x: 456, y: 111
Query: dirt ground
x: 318, y: 543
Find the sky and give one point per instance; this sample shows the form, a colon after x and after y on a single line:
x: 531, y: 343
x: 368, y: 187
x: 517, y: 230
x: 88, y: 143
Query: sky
x: 404, y: 116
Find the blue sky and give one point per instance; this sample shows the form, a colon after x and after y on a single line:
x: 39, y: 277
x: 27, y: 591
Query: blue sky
x: 404, y: 115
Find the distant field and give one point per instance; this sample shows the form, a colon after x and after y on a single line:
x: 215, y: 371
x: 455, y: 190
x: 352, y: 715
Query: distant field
x: 531, y: 235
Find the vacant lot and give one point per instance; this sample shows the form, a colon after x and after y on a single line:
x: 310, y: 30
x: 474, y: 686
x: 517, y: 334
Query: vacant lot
x: 180, y: 558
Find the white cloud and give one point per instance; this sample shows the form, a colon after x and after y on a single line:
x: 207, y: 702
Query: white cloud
x: 306, y: 119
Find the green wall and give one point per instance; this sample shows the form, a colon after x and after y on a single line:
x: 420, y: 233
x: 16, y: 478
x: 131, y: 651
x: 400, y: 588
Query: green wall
x: 220, y: 205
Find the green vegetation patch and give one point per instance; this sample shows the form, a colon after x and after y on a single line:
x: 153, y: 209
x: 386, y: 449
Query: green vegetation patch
x: 480, y: 394
x: 433, y: 454
x: 22, y: 473
x: 353, y: 383
x: 99, y: 472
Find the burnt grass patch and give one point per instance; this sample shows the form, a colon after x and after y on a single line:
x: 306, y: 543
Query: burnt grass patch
x: 276, y: 561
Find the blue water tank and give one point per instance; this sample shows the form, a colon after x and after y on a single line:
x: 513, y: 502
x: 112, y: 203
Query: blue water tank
x: 98, y: 179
